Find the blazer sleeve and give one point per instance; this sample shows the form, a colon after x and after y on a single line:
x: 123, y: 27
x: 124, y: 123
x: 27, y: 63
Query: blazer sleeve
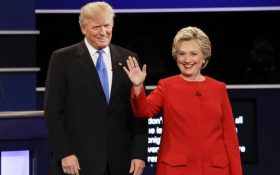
x: 230, y: 136
x: 55, y: 106
x: 148, y: 106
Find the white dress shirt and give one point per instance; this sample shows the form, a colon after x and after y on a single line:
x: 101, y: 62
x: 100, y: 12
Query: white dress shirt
x: 106, y: 59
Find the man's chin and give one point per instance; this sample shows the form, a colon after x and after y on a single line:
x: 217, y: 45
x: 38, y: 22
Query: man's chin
x: 103, y: 45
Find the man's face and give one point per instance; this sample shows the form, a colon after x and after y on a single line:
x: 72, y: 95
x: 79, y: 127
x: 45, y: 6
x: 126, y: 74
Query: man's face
x: 98, y: 31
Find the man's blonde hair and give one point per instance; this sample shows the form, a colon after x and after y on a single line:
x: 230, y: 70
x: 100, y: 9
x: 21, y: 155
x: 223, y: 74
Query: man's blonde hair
x: 94, y: 9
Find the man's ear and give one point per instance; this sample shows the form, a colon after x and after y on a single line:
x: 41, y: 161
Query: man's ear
x: 83, y: 29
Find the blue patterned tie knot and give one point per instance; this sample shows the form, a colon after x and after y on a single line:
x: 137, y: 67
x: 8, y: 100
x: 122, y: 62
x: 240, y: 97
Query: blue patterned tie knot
x: 102, y: 72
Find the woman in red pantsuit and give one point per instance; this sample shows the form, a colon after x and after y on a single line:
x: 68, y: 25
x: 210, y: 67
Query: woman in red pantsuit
x: 199, y: 136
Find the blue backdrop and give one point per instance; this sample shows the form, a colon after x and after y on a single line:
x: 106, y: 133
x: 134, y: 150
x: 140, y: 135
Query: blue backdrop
x: 158, y: 4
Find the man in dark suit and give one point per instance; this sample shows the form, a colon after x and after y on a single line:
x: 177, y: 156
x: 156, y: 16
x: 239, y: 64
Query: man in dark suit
x: 93, y: 131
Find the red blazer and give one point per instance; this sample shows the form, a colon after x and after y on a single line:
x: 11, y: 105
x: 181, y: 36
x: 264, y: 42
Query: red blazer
x: 199, y: 136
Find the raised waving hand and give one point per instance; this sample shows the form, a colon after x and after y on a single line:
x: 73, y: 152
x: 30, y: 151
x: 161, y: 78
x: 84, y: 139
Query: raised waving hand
x: 135, y: 74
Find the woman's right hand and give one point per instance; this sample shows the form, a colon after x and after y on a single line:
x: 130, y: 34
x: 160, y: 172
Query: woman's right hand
x: 135, y: 74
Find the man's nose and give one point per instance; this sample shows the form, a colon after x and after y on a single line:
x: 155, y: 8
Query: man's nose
x: 103, y: 30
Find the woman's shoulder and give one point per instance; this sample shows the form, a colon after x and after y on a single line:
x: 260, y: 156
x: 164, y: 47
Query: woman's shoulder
x: 170, y: 79
x: 214, y: 82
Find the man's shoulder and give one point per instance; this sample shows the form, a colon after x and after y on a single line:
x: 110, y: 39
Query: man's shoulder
x: 121, y: 49
x: 69, y: 49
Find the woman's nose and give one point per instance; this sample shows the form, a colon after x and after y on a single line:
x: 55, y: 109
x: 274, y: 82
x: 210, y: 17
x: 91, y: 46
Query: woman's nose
x: 186, y: 58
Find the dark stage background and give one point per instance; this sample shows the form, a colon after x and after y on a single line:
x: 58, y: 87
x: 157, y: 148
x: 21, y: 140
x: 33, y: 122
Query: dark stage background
x: 245, y: 51
x: 245, y: 44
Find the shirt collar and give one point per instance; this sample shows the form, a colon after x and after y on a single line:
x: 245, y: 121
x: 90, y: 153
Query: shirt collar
x: 92, y: 50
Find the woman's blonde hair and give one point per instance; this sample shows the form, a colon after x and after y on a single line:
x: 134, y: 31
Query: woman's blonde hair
x: 193, y: 33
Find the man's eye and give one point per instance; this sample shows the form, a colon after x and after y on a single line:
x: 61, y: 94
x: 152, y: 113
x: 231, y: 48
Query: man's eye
x: 95, y: 28
x: 182, y: 53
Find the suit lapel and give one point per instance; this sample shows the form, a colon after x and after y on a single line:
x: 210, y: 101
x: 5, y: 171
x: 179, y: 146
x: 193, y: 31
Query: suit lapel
x: 86, y: 63
x: 117, y: 68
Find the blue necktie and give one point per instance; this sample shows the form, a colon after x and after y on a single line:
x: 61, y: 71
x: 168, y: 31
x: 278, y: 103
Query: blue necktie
x: 102, y: 72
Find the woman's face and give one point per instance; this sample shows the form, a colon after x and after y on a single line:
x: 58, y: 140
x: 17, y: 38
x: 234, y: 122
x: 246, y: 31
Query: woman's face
x: 190, y: 59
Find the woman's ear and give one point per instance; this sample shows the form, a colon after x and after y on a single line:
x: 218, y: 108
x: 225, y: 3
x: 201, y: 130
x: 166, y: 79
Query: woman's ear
x: 204, y: 60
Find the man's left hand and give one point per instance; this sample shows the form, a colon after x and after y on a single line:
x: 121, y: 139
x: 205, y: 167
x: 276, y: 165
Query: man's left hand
x: 137, y: 166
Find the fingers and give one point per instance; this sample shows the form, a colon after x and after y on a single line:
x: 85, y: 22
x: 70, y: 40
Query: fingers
x: 78, y: 170
x: 132, y: 63
x: 71, y: 170
x: 144, y: 68
x: 137, y: 166
x: 134, y: 72
x: 126, y: 70
x: 138, y: 170
x: 135, y: 62
x: 131, y: 167
x: 70, y: 165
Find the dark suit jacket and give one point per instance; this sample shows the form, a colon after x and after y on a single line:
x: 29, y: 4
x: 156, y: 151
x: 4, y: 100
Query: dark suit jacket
x: 80, y: 121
